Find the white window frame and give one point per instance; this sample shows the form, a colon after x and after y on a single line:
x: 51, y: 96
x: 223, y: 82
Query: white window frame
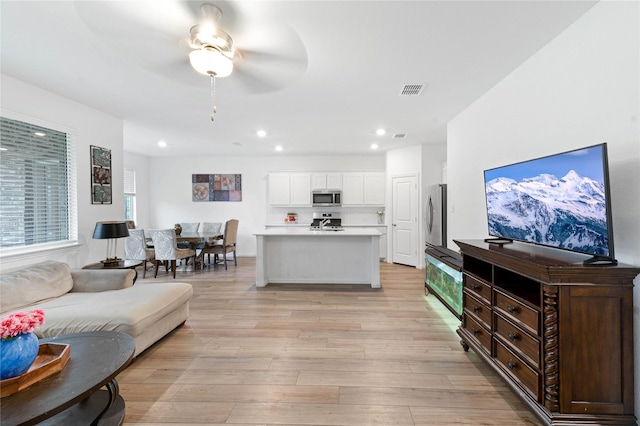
x: 72, y: 241
x: 130, y: 191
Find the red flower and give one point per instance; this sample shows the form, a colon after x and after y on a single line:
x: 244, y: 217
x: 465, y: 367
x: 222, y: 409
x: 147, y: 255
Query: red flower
x: 20, y: 323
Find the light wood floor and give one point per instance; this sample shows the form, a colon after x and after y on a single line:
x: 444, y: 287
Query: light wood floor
x: 314, y: 355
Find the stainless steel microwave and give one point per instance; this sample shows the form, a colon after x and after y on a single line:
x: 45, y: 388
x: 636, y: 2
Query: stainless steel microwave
x: 326, y: 198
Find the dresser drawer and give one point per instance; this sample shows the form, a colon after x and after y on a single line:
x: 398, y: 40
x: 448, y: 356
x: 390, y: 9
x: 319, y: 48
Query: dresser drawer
x: 528, y: 378
x: 519, y: 312
x: 479, y: 288
x: 480, y: 333
x: 518, y: 340
x: 478, y: 309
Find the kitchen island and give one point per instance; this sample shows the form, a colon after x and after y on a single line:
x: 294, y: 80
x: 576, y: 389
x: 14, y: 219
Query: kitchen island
x: 301, y: 256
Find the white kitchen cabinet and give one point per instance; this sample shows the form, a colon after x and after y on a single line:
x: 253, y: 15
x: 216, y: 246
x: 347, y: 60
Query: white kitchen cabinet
x: 352, y: 189
x: 383, y: 241
x: 300, y: 189
x: 290, y: 189
x: 279, y: 189
x: 326, y: 181
x: 373, y: 186
x: 363, y: 189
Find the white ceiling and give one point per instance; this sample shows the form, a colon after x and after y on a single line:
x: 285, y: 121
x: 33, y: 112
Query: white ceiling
x: 339, y: 69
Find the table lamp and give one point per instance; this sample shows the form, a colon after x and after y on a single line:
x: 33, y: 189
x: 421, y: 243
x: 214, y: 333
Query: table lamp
x: 111, y: 231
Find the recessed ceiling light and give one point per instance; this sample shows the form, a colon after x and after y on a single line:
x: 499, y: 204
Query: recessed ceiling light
x: 162, y: 144
x: 381, y: 132
x: 40, y: 134
x: 278, y: 147
x: 374, y: 146
x: 261, y: 133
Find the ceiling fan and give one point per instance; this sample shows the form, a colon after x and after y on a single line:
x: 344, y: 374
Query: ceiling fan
x: 213, y: 51
x: 260, y: 53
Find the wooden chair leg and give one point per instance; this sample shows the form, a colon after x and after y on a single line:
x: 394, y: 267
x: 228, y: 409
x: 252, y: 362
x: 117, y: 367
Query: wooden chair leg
x: 144, y: 268
x: 224, y: 256
x: 173, y: 266
x: 235, y: 260
x: 157, y: 267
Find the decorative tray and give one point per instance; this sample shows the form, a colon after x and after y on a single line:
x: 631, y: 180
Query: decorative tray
x: 51, y: 359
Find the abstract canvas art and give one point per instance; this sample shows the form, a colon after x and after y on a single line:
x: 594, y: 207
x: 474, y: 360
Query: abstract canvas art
x: 216, y: 187
x: 100, y: 175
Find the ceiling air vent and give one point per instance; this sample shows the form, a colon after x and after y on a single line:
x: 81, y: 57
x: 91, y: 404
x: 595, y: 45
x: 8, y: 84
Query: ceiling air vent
x: 399, y: 136
x: 411, y: 89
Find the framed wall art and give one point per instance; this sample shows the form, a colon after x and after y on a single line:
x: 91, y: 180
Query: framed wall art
x: 216, y: 187
x: 100, y: 175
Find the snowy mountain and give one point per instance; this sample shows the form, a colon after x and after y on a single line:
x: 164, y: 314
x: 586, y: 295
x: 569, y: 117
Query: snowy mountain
x: 569, y: 212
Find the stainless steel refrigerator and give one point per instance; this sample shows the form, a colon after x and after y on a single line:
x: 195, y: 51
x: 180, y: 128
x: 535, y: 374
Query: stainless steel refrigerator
x: 436, y: 215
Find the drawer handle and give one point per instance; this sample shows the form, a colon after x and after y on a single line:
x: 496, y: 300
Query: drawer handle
x: 475, y: 331
x: 512, y: 309
x: 475, y: 308
x: 512, y: 336
x: 475, y: 287
x: 511, y: 365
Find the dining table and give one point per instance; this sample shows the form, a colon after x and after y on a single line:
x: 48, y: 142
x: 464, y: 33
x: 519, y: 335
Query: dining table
x: 197, y: 240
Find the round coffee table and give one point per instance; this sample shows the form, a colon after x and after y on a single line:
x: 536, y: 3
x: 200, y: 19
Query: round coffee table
x: 72, y: 396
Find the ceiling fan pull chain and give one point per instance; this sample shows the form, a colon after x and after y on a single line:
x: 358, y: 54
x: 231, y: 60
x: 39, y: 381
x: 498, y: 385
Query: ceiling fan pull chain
x: 213, y: 96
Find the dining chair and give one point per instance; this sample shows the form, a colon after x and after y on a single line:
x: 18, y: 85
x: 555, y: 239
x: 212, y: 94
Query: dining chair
x: 135, y: 248
x: 211, y: 227
x: 190, y: 227
x: 228, y: 243
x: 166, y: 249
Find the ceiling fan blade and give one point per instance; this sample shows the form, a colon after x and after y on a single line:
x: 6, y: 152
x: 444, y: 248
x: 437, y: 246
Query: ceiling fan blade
x: 141, y: 19
x: 264, y: 73
x: 272, y: 56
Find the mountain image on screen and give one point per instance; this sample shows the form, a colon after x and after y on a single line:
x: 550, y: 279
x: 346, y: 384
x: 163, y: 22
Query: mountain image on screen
x: 567, y: 212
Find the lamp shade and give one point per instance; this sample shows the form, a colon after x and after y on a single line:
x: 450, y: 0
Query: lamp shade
x: 105, y: 230
x: 210, y: 61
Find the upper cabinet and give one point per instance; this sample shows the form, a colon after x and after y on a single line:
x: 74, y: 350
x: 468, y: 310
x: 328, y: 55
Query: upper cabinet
x: 326, y: 181
x: 300, y: 189
x: 363, y: 189
x: 374, y: 189
x: 358, y: 189
x: 290, y: 189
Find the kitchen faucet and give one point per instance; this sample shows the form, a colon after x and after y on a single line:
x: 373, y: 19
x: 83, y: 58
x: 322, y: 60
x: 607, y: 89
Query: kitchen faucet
x: 324, y: 222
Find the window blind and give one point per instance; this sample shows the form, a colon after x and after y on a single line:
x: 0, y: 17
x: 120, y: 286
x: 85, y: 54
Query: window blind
x: 35, y: 185
x: 129, y: 182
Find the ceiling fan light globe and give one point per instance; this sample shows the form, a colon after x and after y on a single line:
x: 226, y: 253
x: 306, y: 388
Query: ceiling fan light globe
x: 211, y: 62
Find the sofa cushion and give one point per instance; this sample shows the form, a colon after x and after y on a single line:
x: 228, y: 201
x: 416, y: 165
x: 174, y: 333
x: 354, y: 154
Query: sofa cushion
x: 24, y: 287
x: 130, y: 310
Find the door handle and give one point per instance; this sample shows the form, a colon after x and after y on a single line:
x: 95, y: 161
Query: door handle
x: 430, y: 225
x: 393, y: 224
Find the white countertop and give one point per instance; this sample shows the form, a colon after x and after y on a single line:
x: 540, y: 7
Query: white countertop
x: 305, y: 231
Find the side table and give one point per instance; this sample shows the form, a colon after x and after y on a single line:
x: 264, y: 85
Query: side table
x: 72, y: 396
x: 124, y: 264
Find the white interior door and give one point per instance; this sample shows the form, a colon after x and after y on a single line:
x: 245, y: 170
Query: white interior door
x: 404, y: 223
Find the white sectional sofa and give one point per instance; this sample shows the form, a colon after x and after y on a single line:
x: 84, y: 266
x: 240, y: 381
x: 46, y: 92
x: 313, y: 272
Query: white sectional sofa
x: 90, y: 300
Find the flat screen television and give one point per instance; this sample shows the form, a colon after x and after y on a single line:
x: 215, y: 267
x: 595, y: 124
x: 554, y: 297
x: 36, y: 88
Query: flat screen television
x: 561, y: 201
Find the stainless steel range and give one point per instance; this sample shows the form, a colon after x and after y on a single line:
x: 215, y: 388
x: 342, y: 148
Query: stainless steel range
x: 326, y: 222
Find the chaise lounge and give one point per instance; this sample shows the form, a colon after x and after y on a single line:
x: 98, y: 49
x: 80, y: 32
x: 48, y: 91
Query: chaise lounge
x: 90, y: 300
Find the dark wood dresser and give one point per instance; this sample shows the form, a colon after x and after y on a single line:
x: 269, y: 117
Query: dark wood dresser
x: 559, y: 333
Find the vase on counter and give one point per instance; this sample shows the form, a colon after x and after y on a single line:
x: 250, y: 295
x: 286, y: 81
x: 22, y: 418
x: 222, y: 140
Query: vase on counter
x: 17, y: 354
x: 178, y: 229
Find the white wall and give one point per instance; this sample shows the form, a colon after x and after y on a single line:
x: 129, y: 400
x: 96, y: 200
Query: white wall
x: 579, y: 90
x: 170, y: 188
x: 425, y: 163
x: 90, y: 127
